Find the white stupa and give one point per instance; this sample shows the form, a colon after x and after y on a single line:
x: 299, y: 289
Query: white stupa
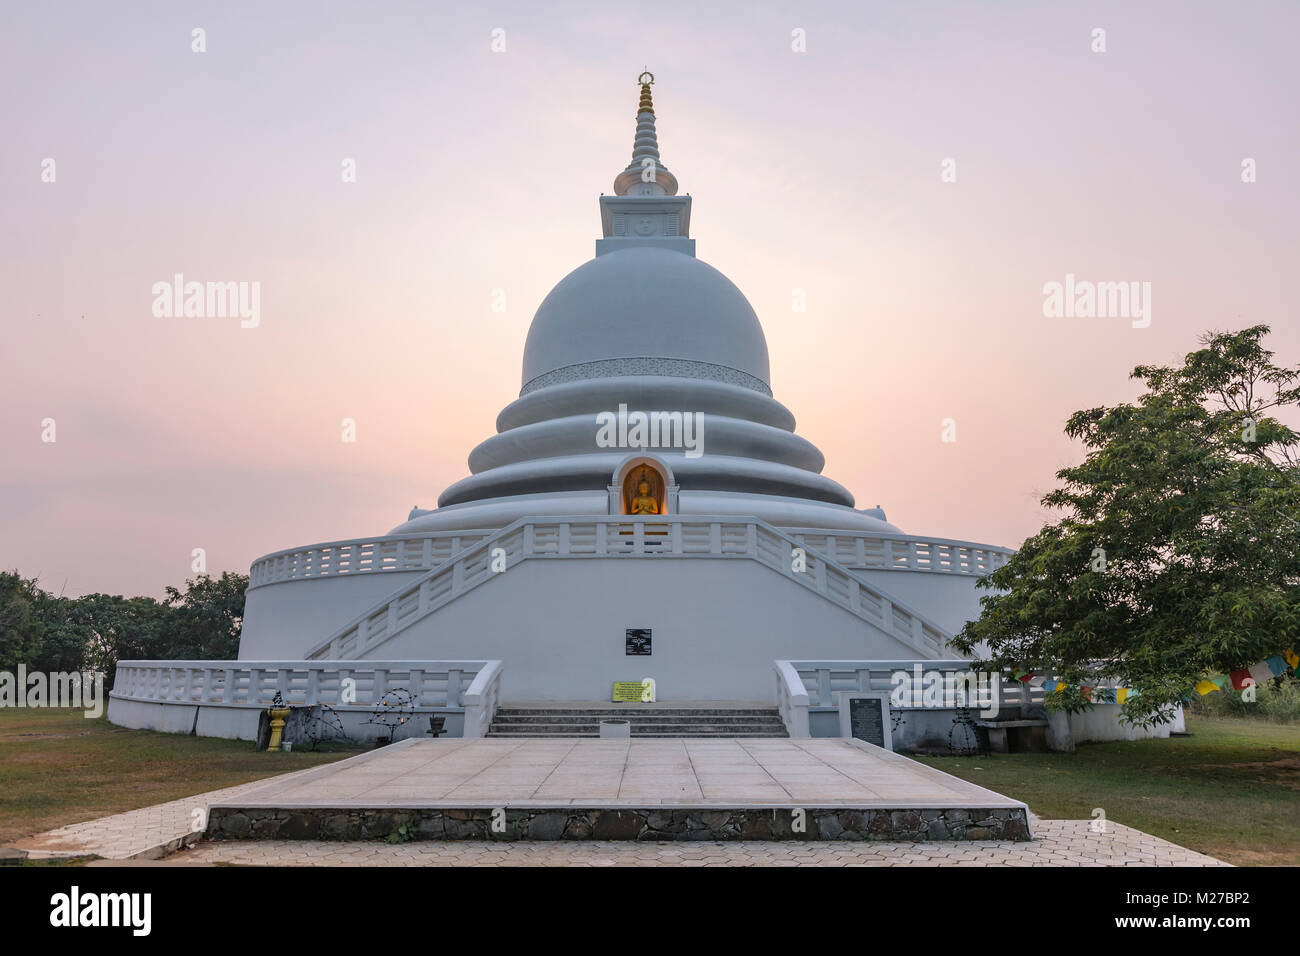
x: 645, y: 479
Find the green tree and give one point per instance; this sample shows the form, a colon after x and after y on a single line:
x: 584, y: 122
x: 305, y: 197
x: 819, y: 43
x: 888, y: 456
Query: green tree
x: 1178, y: 553
x: 22, y: 634
x: 206, y: 619
x: 110, y: 628
x: 63, y: 648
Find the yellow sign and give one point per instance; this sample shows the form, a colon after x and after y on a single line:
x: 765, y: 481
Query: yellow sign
x: 633, y: 691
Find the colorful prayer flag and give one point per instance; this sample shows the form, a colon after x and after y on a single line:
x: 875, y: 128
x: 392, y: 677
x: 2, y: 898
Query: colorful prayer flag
x: 1261, y: 672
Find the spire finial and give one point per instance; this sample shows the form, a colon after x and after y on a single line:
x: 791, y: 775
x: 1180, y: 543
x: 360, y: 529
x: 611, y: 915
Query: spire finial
x: 646, y: 172
x: 647, y: 80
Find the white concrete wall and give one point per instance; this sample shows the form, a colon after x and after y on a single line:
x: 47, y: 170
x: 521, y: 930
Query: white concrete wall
x: 283, y: 620
x: 950, y: 600
x: 558, y: 626
x: 240, y: 722
x: 1102, y: 723
x: 150, y: 715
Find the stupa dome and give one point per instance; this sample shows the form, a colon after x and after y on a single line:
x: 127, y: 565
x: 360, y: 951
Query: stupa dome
x: 645, y: 311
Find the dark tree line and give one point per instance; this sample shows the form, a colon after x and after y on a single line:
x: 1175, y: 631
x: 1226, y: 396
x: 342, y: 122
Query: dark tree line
x: 48, y: 632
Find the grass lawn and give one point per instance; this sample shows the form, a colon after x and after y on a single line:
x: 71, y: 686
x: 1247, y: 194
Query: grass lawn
x: 1231, y: 790
x: 58, y: 767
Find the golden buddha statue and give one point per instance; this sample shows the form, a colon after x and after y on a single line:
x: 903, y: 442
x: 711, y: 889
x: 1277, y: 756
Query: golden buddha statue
x: 644, y: 503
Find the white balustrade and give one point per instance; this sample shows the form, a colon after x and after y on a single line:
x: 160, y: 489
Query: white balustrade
x: 481, y: 699
x: 792, y: 699
x: 804, y: 686
x: 424, y: 552
x: 903, y: 552
x: 361, y: 556
x: 473, y: 686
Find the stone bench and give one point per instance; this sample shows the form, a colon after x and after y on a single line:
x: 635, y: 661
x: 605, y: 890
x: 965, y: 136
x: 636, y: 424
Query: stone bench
x: 1002, y: 733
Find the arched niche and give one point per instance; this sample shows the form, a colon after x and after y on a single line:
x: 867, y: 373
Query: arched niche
x: 624, y: 486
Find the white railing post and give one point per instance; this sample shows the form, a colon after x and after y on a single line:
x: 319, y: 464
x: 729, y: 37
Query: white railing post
x: 481, y: 699
x: 453, y: 687
x: 416, y: 686
x: 792, y: 697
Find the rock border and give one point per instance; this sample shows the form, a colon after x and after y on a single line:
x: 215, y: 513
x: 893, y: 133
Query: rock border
x: 510, y: 824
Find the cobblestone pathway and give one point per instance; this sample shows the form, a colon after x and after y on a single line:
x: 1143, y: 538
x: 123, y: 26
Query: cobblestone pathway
x: 1059, y: 843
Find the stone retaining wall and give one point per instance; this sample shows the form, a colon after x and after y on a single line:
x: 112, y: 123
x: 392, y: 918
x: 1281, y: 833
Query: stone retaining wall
x: 569, y: 823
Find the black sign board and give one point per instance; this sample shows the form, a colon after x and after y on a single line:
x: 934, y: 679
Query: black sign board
x: 868, y: 718
x: 638, y: 642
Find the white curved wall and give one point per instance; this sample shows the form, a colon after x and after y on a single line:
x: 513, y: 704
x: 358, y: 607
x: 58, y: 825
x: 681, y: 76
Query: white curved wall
x: 950, y: 600
x: 558, y: 626
x: 282, y: 620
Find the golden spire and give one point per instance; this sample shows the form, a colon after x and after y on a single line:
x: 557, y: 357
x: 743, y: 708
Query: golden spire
x: 646, y: 105
x: 646, y: 167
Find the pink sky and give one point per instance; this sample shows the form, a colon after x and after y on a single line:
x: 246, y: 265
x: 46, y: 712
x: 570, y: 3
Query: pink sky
x: 481, y: 170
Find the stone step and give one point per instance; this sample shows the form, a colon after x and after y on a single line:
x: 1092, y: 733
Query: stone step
x: 681, y: 729
x: 764, y: 734
x: 639, y: 718
x: 607, y: 713
x: 647, y: 721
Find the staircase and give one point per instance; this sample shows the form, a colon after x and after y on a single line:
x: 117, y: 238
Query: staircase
x: 663, y: 537
x: 689, y: 720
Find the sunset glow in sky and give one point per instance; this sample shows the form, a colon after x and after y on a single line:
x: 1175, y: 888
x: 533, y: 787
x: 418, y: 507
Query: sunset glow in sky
x: 479, y: 170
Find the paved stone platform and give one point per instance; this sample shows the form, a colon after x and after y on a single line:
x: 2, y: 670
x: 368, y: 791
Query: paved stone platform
x: 1056, y: 843
x: 574, y: 789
